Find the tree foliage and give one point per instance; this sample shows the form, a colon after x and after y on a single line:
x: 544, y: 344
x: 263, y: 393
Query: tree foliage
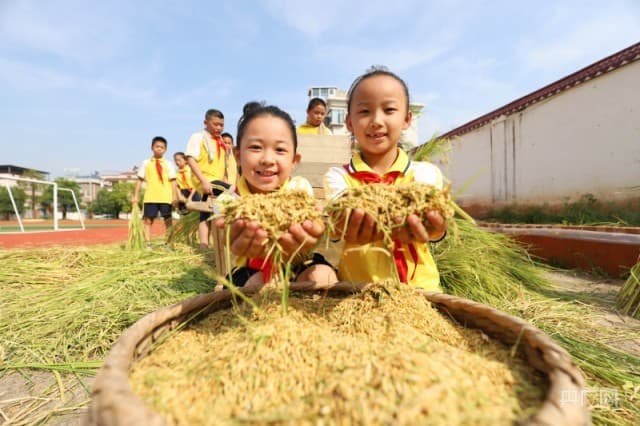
x: 114, y: 201
x: 6, y: 208
x: 65, y: 198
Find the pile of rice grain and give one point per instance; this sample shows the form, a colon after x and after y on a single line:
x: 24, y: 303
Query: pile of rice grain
x: 385, y: 356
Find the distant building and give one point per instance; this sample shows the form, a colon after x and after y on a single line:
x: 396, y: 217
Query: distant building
x: 90, y: 186
x: 578, y: 135
x: 113, y: 177
x: 33, y: 194
x: 337, y: 111
x: 17, y: 171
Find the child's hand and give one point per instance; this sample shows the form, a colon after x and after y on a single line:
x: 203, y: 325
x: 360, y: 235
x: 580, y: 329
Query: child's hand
x: 432, y: 229
x: 361, y: 228
x: 207, y: 189
x: 301, y: 237
x: 248, y: 239
x: 134, y: 199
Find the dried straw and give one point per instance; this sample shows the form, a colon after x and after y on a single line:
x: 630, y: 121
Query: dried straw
x: 135, y: 239
x: 628, y: 300
x: 383, y: 357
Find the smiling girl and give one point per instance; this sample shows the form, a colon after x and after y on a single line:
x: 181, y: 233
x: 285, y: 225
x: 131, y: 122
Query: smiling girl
x: 267, y: 155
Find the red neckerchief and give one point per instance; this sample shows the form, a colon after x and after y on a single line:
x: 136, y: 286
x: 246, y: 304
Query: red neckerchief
x: 265, y: 266
x: 159, y: 170
x: 220, y: 145
x: 183, y: 173
x: 398, y: 255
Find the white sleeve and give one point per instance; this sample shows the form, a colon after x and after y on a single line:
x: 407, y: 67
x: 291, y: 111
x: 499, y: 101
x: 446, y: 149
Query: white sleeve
x: 299, y: 183
x: 335, y: 182
x: 142, y: 168
x: 193, y: 146
x: 424, y: 172
x: 171, y: 170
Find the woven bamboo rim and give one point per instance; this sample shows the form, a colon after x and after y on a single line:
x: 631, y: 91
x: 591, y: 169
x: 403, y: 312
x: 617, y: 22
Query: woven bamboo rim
x: 113, y: 402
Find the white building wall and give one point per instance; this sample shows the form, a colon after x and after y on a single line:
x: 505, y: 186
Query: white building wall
x: 583, y: 140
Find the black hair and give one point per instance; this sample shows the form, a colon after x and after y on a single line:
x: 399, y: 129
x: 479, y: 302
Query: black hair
x: 213, y: 113
x: 315, y: 102
x: 179, y: 153
x: 255, y: 109
x: 371, y: 72
x: 227, y: 134
x: 159, y: 139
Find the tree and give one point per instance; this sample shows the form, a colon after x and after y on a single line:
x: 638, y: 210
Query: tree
x: 65, y: 198
x: 115, y: 201
x: 6, y: 208
x: 32, y: 174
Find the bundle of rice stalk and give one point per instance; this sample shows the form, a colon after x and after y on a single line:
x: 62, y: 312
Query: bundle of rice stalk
x: 185, y: 230
x: 135, y: 239
x: 390, y: 205
x: 382, y: 357
x: 484, y: 266
x: 628, y: 299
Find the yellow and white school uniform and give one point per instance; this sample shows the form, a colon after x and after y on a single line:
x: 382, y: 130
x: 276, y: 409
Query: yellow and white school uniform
x: 158, y: 185
x: 372, y: 262
x: 231, y: 169
x: 308, y: 129
x: 183, y: 178
x: 210, y: 154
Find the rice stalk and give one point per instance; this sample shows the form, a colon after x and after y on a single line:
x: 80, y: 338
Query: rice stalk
x: 135, y: 240
x: 185, y: 230
x: 628, y: 299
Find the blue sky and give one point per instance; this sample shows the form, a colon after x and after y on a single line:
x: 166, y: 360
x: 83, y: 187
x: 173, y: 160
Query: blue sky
x: 85, y: 85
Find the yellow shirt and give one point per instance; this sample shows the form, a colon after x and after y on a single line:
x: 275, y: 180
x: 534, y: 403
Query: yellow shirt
x: 156, y: 190
x: 212, y: 169
x: 183, y: 178
x: 231, y: 169
x: 308, y: 129
x: 373, y: 262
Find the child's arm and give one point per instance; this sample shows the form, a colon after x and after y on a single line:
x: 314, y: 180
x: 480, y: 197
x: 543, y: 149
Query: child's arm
x: 135, y: 199
x: 176, y: 195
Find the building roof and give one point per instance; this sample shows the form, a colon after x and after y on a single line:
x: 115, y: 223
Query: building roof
x: 17, y: 170
x: 603, y: 66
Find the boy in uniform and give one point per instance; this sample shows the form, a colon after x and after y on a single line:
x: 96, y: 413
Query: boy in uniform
x: 161, y: 191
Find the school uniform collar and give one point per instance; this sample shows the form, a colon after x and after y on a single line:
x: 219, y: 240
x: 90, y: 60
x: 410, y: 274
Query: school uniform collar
x: 401, y: 164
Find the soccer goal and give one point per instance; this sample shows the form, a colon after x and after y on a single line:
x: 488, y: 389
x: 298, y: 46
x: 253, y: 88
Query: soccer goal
x: 56, y: 189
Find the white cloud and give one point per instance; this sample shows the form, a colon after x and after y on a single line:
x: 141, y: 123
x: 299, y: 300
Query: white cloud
x: 571, y: 41
x: 72, y: 29
x: 356, y: 58
x: 314, y: 19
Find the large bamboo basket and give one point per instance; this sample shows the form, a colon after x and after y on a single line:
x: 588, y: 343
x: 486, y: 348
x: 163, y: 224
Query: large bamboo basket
x: 113, y: 402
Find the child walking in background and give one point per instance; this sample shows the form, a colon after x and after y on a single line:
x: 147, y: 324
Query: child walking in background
x: 267, y: 155
x: 377, y: 113
x: 183, y: 180
x: 206, y: 153
x: 231, y: 167
x: 316, y: 112
x: 161, y: 191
